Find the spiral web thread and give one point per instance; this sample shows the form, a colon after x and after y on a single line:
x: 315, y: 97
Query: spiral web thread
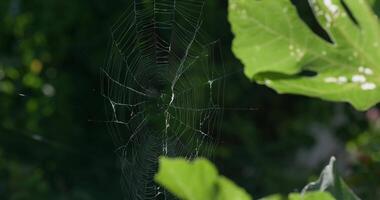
x: 163, y: 88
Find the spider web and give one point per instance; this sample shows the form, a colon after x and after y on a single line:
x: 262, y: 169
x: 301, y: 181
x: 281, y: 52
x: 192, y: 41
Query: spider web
x: 163, y: 86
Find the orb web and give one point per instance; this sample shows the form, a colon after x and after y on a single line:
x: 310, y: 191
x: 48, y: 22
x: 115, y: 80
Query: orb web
x: 163, y: 85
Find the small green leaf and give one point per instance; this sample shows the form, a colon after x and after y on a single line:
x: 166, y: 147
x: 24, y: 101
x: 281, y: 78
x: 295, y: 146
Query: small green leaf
x: 196, y: 180
x: 229, y: 191
x: 273, y: 197
x: 311, y: 196
x: 187, y: 180
x: 330, y: 181
x: 297, y: 196
x: 277, y: 48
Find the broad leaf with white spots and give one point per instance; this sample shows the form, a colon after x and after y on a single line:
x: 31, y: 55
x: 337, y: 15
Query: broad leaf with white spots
x: 277, y: 48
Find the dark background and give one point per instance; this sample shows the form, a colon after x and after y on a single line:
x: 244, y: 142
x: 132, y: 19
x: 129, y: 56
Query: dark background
x: 53, y: 144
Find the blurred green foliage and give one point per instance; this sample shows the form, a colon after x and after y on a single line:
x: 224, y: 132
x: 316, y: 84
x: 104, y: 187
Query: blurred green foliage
x: 54, y: 146
x: 48, y: 76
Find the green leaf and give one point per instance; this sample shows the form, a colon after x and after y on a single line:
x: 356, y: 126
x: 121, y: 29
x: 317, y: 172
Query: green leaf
x: 229, y: 191
x: 330, y: 181
x: 199, y: 180
x: 311, y: 196
x: 306, y: 196
x: 196, y: 180
x: 187, y: 180
x: 273, y: 197
x: 277, y: 48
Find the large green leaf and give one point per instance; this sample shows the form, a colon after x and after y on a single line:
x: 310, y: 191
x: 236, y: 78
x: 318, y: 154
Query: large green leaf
x: 196, y: 180
x: 277, y: 48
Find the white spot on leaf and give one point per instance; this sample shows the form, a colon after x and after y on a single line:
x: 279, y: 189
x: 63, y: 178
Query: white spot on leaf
x: 332, y: 7
x: 358, y: 78
x: 331, y: 80
x: 368, y: 71
x: 368, y: 86
x: 342, y: 79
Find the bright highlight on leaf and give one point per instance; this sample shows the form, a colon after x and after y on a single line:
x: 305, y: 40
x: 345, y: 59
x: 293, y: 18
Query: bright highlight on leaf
x: 277, y: 48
